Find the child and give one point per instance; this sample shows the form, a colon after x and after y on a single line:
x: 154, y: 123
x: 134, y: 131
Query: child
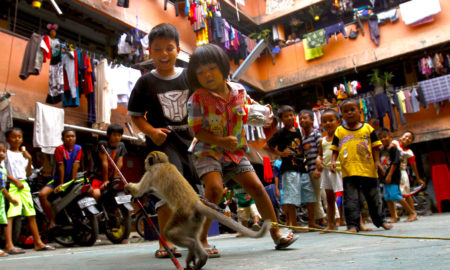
x: 357, y: 146
x: 216, y: 112
x: 390, y: 177
x: 297, y: 187
x: 331, y: 182
x: 157, y: 107
x: 18, y: 166
x: 246, y: 208
x: 67, y: 158
x: 116, y: 149
x: 4, y: 194
x: 407, y: 157
x: 311, y: 139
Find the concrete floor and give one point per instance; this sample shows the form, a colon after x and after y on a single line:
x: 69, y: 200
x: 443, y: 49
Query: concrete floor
x: 311, y: 251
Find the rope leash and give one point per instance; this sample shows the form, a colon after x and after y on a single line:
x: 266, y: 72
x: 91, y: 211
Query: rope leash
x: 274, y: 224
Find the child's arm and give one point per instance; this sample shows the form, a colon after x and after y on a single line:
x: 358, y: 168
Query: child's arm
x: 333, y: 161
x: 76, y: 166
x: 229, y: 143
x: 391, y: 172
x: 16, y: 182
x: 27, y: 156
x: 376, y: 157
x: 119, y: 164
x: 105, y: 168
x: 9, y: 197
x: 157, y: 135
x: 416, y: 172
x: 61, y: 176
x: 277, y: 190
x: 319, y: 159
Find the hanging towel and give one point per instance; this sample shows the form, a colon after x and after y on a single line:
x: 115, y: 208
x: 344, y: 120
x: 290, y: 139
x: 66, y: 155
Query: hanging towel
x: 48, y: 125
x: 311, y: 53
x: 416, y: 10
x: 268, y: 172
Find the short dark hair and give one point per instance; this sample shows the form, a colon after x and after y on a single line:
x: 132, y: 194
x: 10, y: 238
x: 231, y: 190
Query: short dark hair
x: 283, y: 109
x: 308, y: 112
x: 114, y: 128
x: 335, y: 113
x: 383, y: 131
x: 3, y: 143
x: 67, y: 129
x: 9, y: 130
x: 349, y: 100
x: 164, y: 30
x: 204, y: 55
x: 412, y: 133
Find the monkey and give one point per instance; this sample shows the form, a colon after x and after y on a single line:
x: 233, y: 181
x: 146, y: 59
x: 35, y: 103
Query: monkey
x: 163, y: 180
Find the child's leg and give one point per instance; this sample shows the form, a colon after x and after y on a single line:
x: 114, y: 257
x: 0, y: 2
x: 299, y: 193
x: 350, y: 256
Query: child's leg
x: 213, y: 193
x: 43, y: 195
x: 291, y: 215
x: 412, y: 215
x: 351, y: 203
x: 371, y: 191
x: 9, y: 245
x: 38, y: 244
x: 331, y: 211
x: 164, y: 214
x: 393, y: 211
x: 251, y: 183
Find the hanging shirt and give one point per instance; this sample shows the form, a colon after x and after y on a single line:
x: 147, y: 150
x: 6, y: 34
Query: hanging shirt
x: 408, y: 101
x: 414, y: 100
x: 401, y: 99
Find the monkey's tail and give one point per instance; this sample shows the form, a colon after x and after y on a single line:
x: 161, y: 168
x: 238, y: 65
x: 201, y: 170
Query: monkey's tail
x: 231, y: 223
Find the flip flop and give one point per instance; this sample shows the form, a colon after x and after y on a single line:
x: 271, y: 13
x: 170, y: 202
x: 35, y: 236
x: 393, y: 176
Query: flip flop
x: 161, y: 254
x: 3, y: 254
x: 211, y: 248
x: 283, y: 245
x: 175, y: 252
x: 46, y: 248
x: 15, y: 251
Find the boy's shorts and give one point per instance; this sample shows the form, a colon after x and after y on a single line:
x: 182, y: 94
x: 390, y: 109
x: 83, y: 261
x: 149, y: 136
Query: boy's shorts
x: 25, y: 207
x: 229, y: 170
x: 244, y: 213
x: 3, y: 218
x: 392, y: 193
x: 297, y: 188
x: 331, y: 181
x: 52, y: 184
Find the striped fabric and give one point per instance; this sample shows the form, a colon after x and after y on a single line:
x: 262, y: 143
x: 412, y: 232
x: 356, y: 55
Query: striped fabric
x: 310, y: 145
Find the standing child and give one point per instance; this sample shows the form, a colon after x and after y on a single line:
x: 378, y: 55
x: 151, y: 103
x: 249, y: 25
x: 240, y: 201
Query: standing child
x: 296, y: 183
x: 331, y: 182
x: 67, y: 158
x: 116, y: 149
x: 18, y: 166
x: 390, y: 177
x: 357, y: 147
x: 4, y: 194
x: 407, y: 157
x: 216, y: 117
x: 311, y: 139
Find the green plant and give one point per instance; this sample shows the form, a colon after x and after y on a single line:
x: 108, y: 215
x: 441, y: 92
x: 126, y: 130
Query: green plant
x: 375, y: 78
x: 387, y: 76
x: 264, y: 34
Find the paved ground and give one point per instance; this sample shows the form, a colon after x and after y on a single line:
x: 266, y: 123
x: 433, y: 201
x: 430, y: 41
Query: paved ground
x: 311, y: 251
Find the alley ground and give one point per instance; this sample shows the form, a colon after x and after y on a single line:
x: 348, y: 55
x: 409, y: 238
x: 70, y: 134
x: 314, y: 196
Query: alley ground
x: 311, y: 251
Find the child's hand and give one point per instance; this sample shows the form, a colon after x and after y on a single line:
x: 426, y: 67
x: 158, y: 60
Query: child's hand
x: 286, y: 153
x: 388, y: 179
x: 333, y: 167
x: 316, y: 173
x: 19, y: 185
x: 229, y: 143
x: 421, y: 182
x: 104, y: 185
x: 159, y: 136
x: 379, y: 167
x: 277, y: 193
x: 382, y: 171
x: 25, y: 153
x: 58, y: 188
x: 319, y: 165
x: 14, y: 201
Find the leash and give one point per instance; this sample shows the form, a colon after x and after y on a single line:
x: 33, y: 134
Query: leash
x: 147, y: 217
x: 274, y: 224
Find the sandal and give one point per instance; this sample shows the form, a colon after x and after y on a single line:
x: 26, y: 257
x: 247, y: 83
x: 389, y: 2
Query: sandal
x: 3, y: 254
x: 15, y: 251
x: 283, y: 245
x: 162, y: 253
x: 46, y: 248
x: 212, y: 251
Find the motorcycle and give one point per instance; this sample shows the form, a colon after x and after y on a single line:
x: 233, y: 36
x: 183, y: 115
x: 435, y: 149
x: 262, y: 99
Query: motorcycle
x: 422, y: 202
x: 115, y: 219
x: 75, y: 214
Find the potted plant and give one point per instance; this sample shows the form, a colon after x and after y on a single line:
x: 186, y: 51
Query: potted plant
x: 387, y: 76
x: 377, y: 81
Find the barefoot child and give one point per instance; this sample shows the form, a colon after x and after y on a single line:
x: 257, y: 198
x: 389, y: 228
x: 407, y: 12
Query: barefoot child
x: 216, y: 117
x: 357, y: 147
x: 390, y: 176
x: 331, y: 182
x: 4, y: 194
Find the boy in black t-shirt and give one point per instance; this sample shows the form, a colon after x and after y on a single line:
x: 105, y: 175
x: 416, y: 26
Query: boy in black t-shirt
x: 297, y: 186
x: 158, y: 108
x: 390, y: 177
x: 116, y: 149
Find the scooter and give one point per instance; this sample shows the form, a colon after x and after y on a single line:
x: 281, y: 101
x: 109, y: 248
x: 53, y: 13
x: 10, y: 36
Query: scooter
x: 115, y: 219
x: 75, y: 214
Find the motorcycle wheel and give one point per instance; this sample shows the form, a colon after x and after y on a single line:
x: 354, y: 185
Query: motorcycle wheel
x: 65, y: 238
x: 140, y: 225
x: 87, y: 231
x: 118, y: 227
x: 422, y: 205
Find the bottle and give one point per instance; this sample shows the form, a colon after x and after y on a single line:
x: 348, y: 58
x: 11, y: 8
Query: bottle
x: 227, y: 211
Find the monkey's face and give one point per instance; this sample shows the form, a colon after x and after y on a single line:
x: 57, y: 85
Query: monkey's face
x: 155, y: 157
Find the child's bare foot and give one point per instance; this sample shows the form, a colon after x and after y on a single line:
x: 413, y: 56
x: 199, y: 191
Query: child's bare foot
x: 329, y: 228
x: 240, y: 235
x: 392, y: 220
x: 342, y: 223
x: 352, y: 229
x: 387, y: 226
x: 412, y: 217
x: 364, y: 228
